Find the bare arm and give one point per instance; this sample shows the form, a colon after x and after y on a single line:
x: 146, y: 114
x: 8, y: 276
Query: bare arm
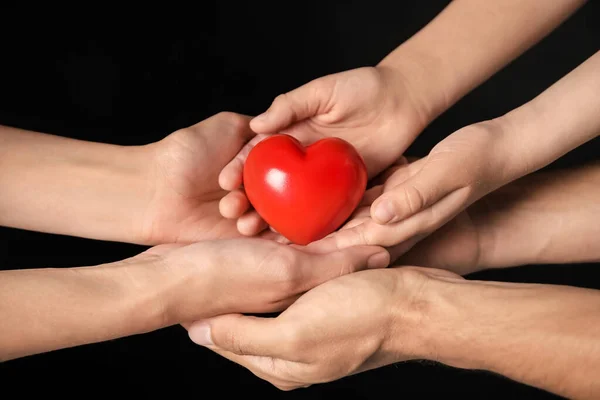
x: 546, y: 218
x: 546, y: 336
x: 469, y: 41
x: 549, y: 217
x: 48, y: 309
x: 66, y: 186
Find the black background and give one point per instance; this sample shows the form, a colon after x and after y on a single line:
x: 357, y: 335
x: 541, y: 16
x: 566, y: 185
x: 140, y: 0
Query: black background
x: 133, y: 80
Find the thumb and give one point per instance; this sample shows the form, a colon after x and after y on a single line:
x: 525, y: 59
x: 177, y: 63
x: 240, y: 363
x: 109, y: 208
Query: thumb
x: 339, y: 259
x: 307, y: 101
x: 241, y: 334
x: 417, y: 193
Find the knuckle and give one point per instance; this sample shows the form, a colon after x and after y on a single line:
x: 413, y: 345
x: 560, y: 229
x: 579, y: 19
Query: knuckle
x: 343, y: 263
x: 223, y: 116
x: 286, y: 261
x: 233, y: 121
x: 294, y: 345
x: 413, y: 198
x: 228, y: 340
x: 281, y: 100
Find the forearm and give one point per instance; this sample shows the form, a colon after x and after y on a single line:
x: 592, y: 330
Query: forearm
x: 548, y: 217
x: 469, y: 41
x: 545, y: 336
x: 49, y: 309
x: 66, y: 186
x: 560, y: 119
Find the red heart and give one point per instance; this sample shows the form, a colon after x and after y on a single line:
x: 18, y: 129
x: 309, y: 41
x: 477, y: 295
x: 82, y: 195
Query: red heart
x: 304, y: 193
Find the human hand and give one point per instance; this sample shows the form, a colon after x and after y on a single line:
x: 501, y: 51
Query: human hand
x: 373, y: 108
x: 343, y: 327
x: 247, y: 275
x: 424, y: 195
x: 457, y: 246
x: 186, y: 164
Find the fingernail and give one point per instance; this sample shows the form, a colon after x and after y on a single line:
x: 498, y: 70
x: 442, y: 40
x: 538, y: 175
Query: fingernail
x: 379, y: 260
x: 199, y: 333
x: 384, y: 212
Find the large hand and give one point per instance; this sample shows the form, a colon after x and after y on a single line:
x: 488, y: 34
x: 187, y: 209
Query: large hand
x: 186, y: 192
x: 345, y: 326
x: 246, y: 275
x: 373, y: 108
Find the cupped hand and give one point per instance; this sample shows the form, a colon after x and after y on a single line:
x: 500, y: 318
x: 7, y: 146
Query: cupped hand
x: 345, y: 326
x: 418, y: 198
x: 247, y: 275
x: 185, y: 181
x: 373, y: 108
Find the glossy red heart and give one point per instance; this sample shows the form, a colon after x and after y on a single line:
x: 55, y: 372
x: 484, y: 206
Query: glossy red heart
x: 304, y: 193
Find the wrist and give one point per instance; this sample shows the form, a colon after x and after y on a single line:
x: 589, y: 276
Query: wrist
x: 417, y: 332
x: 511, y: 229
x: 417, y: 78
x: 186, y: 285
x: 142, y: 293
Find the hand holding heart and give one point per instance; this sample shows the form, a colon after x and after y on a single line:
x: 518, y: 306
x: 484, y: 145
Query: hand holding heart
x: 373, y: 109
x: 304, y: 193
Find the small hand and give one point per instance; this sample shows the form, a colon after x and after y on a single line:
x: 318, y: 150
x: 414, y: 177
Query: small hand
x: 422, y: 196
x: 345, y: 326
x: 247, y: 275
x: 373, y: 108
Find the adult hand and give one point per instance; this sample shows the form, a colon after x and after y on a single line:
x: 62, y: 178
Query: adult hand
x: 248, y: 275
x: 186, y: 193
x: 345, y: 326
x: 56, y: 308
x: 373, y: 108
x: 370, y: 319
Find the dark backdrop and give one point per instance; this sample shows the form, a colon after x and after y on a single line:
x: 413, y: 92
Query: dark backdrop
x: 135, y: 80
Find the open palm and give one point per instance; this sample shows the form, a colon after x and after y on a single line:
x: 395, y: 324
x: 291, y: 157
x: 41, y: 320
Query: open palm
x: 186, y: 167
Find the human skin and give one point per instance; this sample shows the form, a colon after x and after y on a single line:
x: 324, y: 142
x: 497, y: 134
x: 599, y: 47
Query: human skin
x: 546, y: 336
x: 165, y: 192
x: 382, y: 109
x: 162, y: 192
x: 47, y: 309
x: 424, y: 195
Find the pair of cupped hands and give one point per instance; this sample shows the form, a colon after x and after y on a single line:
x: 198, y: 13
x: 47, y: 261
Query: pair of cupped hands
x: 335, y: 294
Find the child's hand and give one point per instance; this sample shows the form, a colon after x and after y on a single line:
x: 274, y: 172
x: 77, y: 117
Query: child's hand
x: 417, y: 198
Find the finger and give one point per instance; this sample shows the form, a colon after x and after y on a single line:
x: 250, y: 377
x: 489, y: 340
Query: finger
x: 404, y: 247
x: 263, y: 368
x: 231, y: 175
x: 401, y: 173
x: 234, y: 204
x: 373, y: 234
x: 384, y: 175
x: 251, y: 224
x: 371, y: 195
x: 423, y: 223
x: 243, y: 335
x: 158, y: 250
x: 327, y: 262
x: 355, y: 234
x: 270, y: 235
x: 301, y: 103
x: 415, y: 194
